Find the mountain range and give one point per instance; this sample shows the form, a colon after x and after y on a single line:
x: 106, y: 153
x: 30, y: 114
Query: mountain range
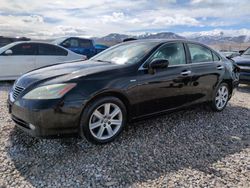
x: 115, y: 38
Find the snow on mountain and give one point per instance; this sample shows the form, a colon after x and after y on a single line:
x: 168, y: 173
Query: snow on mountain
x: 207, y: 37
x: 115, y: 38
x: 219, y: 36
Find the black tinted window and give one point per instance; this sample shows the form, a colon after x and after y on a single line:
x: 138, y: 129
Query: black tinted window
x: 24, y: 49
x: 173, y: 52
x: 61, y: 51
x: 199, y: 53
x: 47, y: 49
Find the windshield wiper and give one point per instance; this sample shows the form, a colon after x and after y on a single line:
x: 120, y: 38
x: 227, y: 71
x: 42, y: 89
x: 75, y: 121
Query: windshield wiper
x: 99, y: 60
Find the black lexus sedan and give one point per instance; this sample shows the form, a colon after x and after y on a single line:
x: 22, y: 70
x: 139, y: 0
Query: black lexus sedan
x: 132, y: 80
x: 243, y: 61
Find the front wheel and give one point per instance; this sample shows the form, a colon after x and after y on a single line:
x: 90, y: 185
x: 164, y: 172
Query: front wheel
x: 103, y: 120
x: 220, y: 97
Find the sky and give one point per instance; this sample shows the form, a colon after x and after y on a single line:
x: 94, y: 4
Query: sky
x: 56, y: 18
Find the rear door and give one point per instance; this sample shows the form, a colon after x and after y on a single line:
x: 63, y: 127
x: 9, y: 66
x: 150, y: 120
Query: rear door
x: 49, y: 54
x: 206, y: 68
x: 19, y: 62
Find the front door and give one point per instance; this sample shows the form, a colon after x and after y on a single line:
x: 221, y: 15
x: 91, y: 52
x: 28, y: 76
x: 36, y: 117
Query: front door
x: 168, y: 87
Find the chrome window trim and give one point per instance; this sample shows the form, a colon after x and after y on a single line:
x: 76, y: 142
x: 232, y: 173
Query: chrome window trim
x: 180, y: 65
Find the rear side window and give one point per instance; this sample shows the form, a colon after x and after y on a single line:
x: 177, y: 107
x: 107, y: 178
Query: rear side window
x: 24, y: 49
x: 173, y: 52
x: 199, y: 53
x: 51, y: 50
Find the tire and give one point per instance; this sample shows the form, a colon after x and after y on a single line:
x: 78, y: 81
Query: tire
x: 103, y: 120
x: 220, y: 97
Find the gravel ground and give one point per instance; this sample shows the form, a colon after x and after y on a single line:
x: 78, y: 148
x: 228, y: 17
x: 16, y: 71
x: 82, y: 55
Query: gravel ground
x: 191, y: 148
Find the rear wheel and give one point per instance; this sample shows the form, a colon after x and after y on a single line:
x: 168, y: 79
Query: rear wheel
x: 103, y: 120
x: 220, y: 98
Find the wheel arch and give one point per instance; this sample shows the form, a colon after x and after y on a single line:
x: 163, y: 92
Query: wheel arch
x: 230, y: 85
x: 116, y: 94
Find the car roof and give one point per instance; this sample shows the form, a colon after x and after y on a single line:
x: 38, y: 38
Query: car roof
x: 37, y: 42
x: 85, y: 38
x: 40, y: 42
x: 163, y: 40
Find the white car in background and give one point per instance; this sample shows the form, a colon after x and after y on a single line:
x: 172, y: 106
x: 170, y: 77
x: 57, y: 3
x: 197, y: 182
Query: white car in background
x: 20, y: 57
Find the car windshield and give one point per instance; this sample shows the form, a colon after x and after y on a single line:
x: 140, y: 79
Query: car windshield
x: 125, y: 53
x: 247, y: 52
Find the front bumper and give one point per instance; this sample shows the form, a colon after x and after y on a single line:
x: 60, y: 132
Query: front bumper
x: 46, y: 121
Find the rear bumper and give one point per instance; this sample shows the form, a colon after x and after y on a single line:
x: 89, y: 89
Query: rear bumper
x: 48, y: 122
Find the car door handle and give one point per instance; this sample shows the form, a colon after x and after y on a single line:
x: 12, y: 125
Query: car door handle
x: 186, y: 73
x: 220, y: 67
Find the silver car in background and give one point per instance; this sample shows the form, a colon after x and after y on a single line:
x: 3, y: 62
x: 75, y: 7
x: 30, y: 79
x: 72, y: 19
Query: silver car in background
x: 20, y: 57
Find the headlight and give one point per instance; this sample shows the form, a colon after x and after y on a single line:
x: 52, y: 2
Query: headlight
x: 54, y: 91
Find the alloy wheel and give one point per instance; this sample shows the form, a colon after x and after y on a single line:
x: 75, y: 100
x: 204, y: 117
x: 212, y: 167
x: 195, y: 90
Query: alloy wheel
x: 105, y: 121
x: 221, y: 97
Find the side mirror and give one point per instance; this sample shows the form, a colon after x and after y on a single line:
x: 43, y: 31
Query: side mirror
x: 8, y: 52
x: 158, y: 64
x: 241, y: 52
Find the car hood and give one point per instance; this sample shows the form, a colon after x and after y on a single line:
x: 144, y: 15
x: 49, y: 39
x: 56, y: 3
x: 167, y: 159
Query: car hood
x: 67, y: 71
x: 242, y: 60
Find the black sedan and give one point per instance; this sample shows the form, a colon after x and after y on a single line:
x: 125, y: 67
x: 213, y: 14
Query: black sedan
x: 132, y: 80
x: 243, y: 61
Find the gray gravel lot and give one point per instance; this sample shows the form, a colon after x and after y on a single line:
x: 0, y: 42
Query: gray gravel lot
x: 191, y: 148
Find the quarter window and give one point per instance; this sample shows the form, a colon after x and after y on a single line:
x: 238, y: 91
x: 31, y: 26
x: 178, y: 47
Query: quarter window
x: 173, y: 52
x: 199, y: 53
x: 24, y: 49
x: 51, y: 50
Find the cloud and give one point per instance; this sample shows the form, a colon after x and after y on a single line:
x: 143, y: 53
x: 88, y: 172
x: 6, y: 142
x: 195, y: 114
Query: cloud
x: 57, y: 18
x: 176, y: 20
x: 33, y: 19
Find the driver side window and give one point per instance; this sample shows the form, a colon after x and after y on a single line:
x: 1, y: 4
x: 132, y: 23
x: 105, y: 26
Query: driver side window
x: 173, y: 52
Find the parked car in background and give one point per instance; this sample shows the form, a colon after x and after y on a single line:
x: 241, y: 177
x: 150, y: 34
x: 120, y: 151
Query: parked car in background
x: 7, y: 40
x: 244, y: 63
x: 129, y: 81
x: 230, y: 54
x: 20, y: 57
x: 79, y: 45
